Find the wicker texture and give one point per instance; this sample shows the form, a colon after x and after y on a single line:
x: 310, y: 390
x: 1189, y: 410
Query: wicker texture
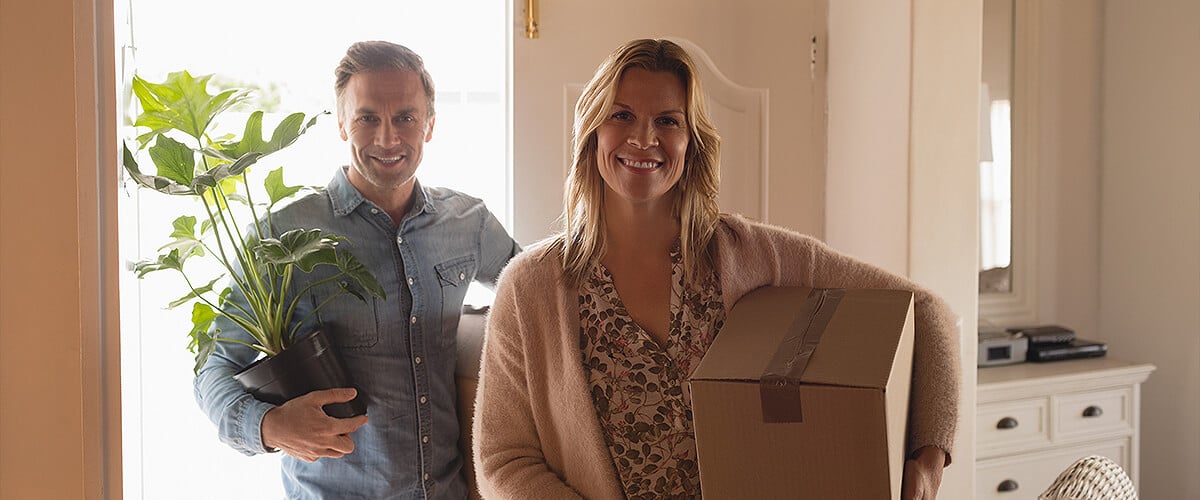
x: 1091, y: 478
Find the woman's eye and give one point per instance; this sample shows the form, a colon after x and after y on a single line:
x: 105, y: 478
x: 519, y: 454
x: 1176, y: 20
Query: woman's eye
x: 668, y: 121
x: 622, y: 115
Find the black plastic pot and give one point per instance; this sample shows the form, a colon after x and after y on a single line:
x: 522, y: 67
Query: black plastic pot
x: 310, y: 364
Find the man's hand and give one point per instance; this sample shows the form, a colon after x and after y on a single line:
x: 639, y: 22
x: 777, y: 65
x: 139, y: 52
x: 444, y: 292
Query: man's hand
x: 302, y: 429
x: 923, y: 474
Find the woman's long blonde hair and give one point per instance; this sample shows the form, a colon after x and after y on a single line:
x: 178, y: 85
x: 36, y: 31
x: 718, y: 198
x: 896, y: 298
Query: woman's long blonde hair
x: 583, y: 240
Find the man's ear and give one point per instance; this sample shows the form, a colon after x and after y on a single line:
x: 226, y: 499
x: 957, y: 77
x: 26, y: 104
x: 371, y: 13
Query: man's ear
x: 429, y: 130
x: 341, y: 128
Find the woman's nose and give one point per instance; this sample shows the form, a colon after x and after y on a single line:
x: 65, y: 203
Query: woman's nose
x: 642, y: 136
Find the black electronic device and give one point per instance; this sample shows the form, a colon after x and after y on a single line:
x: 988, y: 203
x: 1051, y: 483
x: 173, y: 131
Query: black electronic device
x: 1045, y: 334
x: 1074, y: 349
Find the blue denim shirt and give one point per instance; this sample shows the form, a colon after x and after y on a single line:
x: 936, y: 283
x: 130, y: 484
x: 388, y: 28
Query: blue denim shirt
x: 400, y: 351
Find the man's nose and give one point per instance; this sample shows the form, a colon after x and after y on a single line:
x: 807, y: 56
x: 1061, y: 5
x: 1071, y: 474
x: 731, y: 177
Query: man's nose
x: 388, y: 134
x: 643, y: 135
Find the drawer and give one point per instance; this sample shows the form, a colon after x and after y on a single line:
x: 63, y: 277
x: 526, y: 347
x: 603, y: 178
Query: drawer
x: 1026, y: 476
x: 1089, y: 413
x: 1011, y: 425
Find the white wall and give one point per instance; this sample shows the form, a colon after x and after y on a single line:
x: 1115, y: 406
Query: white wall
x: 1150, y: 226
x: 1068, y: 168
x: 901, y: 178
x: 866, y: 178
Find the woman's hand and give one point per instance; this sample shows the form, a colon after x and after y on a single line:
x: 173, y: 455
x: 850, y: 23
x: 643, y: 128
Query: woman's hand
x: 923, y: 474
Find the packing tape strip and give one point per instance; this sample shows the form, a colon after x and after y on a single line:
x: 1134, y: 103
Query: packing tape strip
x: 779, y: 386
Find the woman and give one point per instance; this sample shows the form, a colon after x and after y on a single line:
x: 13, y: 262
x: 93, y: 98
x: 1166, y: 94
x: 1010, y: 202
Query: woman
x: 583, y: 390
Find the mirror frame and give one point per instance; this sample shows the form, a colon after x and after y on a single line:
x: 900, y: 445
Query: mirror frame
x: 1019, y: 305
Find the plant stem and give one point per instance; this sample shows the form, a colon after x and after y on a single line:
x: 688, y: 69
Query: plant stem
x: 314, y: 311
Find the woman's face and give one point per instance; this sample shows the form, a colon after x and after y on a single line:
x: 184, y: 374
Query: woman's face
x: 642, y: 143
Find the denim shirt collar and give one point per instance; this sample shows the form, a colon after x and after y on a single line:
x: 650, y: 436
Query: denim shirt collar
x: 345, y: 197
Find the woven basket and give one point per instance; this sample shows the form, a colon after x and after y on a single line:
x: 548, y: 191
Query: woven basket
x: 1091, y: 478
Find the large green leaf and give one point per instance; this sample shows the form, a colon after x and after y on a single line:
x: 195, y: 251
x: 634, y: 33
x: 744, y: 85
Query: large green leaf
x: 169, y: 260
x: 155, y: 182
x: 185, y: 227
x: 350, y: 265
x: 286, y: 132
x: 201, y: 341
x: 276, y: 190
x: 303, y: 247
x: 194, y: 293
x: 184, y: 237
x: 181, y: 103
x: 174, y: 160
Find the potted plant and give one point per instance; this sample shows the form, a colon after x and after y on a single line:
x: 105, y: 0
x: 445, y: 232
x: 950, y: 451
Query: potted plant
x: 189, y: 161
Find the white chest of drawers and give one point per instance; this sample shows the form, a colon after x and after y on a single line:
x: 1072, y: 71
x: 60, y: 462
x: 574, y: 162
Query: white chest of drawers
x: 1035, y: 419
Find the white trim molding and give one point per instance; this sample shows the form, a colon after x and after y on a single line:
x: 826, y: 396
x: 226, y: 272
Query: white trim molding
x: 1020, y: 305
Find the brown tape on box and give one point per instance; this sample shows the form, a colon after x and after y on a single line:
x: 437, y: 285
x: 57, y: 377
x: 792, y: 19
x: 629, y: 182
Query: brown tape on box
x: 779, y: 386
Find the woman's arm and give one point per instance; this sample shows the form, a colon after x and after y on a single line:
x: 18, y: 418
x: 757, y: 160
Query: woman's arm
x: 755, y: 254
x: 507, y: 448
x: 933, y: 404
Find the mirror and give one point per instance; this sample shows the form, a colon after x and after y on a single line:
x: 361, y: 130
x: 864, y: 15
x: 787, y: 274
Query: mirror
x: 995, y: 149
x: 1008, y: 163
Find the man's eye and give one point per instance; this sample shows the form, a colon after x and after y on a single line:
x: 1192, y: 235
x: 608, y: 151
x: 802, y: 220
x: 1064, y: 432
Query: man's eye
x: 367, y: 119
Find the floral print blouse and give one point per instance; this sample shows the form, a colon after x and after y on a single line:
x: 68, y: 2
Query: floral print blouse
x: 640, y: 389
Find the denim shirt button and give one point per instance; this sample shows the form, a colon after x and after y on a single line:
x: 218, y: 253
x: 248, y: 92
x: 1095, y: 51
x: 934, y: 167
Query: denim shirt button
x: 426, y: 476
x: 410, y: 280
x: 374, y: 210
x: 399, y: 240
x: 413, y: 320
x: 423, y: 400
x: 424, y: 439
x: 417, y: 360
x: 462, y: 276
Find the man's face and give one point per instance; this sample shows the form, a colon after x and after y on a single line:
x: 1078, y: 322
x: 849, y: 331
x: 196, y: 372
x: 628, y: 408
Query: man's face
x: 384, y: 115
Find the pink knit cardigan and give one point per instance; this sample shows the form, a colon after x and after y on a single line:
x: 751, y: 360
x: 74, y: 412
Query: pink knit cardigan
x: 536, y: 434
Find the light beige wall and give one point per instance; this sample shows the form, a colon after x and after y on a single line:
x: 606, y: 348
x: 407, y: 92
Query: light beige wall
x: 1150, y: 226
x: 52, y: 358
x: 866, y: 178
x: 998, y: 47
x: 764, y: 44
x: 1068, y: 170
x: 943, y: 161
x: 903, y: 139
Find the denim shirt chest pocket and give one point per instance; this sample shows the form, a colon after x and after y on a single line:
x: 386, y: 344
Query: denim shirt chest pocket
x: 454, y: 276
x: 352, y: 323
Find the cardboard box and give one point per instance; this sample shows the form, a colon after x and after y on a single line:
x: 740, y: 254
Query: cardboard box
x: 772, y: 422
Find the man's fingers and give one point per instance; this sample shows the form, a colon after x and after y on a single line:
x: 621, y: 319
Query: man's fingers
x: 327, y: 396
x: 348, y: 425
x: 342, y: 445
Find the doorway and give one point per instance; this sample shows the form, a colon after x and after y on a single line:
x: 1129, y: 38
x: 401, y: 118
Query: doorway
x: 284, y: 54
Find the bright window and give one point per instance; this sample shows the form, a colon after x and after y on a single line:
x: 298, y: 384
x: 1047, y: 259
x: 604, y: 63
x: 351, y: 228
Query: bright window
x: 288, y: 50
x: 995, y: 200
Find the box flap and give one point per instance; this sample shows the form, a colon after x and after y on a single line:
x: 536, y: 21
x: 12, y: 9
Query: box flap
x: 752, y: 333
x: 857, y: 346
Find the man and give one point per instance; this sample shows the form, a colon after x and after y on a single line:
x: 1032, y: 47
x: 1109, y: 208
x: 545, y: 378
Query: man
x: 424, y: 245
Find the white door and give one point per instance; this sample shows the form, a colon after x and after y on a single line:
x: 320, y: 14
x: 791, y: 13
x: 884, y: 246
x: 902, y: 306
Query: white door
x: 763, y: 68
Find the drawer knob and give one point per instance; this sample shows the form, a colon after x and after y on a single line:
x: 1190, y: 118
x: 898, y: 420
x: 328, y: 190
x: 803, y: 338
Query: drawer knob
x: 1007, y: 423
x: 1093, y: 411
x: 1008, y: 485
